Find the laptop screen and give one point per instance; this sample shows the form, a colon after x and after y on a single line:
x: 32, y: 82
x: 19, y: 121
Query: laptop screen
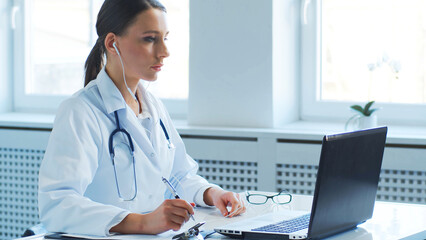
x: 347, y: 181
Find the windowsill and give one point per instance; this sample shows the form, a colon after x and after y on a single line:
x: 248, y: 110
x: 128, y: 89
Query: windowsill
x: 300, y: 130
x: 26, y: 120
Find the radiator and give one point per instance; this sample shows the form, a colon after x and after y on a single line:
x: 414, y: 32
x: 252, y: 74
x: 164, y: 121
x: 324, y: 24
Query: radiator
x: 18, y: 190
x: 236, y: 164
x: 394, y: 185
x: 230, y: 175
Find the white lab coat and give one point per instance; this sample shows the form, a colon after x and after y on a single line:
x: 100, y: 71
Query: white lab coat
x: 77, y: 188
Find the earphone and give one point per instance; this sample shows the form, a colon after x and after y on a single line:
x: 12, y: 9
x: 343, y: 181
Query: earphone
x: 115, y: 47
x: 124, y: 76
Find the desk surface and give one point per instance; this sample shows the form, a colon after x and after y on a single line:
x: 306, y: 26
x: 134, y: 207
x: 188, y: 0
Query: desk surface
x: 389, y: 221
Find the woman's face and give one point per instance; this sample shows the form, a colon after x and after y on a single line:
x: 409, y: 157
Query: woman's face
x: 142, y: 46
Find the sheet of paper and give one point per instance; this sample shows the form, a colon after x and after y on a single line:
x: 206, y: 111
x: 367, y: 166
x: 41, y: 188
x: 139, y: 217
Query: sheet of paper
x: 166, y: 235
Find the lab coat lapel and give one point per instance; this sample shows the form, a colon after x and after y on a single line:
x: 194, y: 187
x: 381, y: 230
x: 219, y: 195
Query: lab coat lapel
x: 147, y: 164
x: 114, y: 101
x: 138, y: 133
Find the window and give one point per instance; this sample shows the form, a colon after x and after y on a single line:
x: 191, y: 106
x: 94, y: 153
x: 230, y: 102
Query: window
x: 173, y: 80
x: 54, y: 38
x: 357, y: 51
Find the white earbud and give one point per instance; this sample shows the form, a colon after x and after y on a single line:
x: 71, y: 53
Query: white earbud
x: 115, y: 47
x: 124, y: 75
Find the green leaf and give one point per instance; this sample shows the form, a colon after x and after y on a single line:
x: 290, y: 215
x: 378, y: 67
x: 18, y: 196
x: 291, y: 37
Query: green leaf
x: 357, y: 108
x: 367, y: 108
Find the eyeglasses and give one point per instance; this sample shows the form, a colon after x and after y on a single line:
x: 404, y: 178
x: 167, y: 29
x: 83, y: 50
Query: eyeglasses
x: 282, y: 197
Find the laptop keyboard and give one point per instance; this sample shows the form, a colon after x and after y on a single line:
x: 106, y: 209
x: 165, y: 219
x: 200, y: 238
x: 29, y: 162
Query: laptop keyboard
x: 287, y: 226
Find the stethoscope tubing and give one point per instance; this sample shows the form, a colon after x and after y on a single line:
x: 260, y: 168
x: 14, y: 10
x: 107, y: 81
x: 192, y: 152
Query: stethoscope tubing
x: 170, y: 144
x: 132, y: 152
x: 112, y: 154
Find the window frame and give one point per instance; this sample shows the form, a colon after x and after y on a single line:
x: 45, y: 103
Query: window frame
x: 40, y: 103
x: 23, y: 102
x: 312, y: 108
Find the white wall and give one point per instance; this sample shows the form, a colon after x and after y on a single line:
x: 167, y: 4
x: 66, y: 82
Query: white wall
x: 286, y: 61
x: 241, y: 71
x: 5, y: 57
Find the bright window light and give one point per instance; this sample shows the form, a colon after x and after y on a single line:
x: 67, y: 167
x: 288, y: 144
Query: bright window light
x: 373, y: 50
x: 60, y: 42
x: 172, y: 82
x: 62, y: 33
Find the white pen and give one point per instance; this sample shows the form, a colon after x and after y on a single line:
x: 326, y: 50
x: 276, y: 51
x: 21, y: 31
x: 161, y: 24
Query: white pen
x: 173, y: 191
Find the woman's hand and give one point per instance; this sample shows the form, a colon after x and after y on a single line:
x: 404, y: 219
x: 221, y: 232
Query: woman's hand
x: 221, y: 199
x: 171, y: 214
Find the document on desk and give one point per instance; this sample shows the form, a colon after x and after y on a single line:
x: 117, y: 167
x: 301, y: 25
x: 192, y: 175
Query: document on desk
x: 211, y: 216
x: 113, y: 237
x: 165, y: 235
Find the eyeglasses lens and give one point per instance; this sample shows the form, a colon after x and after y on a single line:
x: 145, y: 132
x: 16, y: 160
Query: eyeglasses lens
x: 257, y: 199
x: 282, y: 198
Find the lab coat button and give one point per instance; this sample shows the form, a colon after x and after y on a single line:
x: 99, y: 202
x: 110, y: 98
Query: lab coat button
x: 152, y: 155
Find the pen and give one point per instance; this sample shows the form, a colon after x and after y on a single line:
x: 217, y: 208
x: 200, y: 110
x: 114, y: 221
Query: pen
x: 173, y: 191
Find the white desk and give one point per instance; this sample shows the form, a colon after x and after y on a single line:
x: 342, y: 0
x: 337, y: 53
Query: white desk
x: 390, y: 221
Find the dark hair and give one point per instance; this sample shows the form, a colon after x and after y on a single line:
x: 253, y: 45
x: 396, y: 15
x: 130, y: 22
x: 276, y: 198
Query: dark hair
x: 114, y: 16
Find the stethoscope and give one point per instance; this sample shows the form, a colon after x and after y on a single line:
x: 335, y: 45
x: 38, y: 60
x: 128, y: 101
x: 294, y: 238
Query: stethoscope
x: 118, y: 129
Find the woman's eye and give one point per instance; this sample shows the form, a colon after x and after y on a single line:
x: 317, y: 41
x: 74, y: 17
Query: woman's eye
x: 149, y: 39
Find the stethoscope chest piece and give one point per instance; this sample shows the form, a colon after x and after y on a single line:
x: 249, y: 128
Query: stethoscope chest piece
x: 191, y: 233
x: 171, y: 145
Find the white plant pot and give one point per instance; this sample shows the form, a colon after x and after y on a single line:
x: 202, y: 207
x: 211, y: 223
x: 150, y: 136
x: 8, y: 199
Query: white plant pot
x: 358, y: 122
x: 367, y: 122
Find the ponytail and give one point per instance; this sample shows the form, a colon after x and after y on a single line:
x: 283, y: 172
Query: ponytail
x: 94, y: 62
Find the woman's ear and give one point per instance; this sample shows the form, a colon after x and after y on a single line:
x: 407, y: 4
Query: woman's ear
x: 110, y: 39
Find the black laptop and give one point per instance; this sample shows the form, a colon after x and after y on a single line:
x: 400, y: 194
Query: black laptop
x: 345, y: 192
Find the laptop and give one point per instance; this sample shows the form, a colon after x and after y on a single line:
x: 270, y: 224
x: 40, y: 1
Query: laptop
x: 345, y: 192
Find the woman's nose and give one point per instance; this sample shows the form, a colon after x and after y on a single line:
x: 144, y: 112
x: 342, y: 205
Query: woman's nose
x: 163, y: 51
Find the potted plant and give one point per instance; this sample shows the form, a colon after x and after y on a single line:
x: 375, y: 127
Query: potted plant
x: 364, y: 117
x: 365, y: 111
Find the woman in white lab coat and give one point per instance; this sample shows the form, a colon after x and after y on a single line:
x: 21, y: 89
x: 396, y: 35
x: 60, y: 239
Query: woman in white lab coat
x: 89, y: 182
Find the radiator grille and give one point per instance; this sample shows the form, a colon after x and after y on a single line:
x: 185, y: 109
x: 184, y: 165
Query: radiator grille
x: 402, y: 186
x: 297, y: 179
x: 18, y: 190
x: 230, y: 175
x: 19, y: 172
x: 394, y: 185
